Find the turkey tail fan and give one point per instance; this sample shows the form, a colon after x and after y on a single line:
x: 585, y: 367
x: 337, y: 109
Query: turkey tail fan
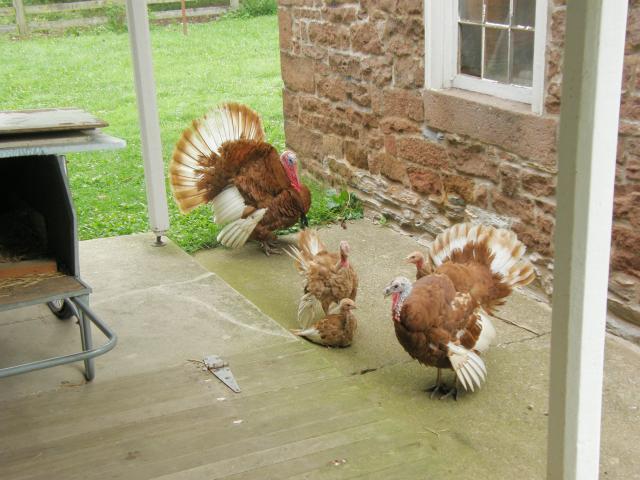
x: 496, y: 248
x: 301, y: 263
x: 228, y: 122
x: 193, y: 161
x: 309, y: 243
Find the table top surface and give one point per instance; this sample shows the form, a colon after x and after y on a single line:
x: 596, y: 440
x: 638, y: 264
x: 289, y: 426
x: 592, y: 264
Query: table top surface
x: 14, y: 122
x: 57, y: 143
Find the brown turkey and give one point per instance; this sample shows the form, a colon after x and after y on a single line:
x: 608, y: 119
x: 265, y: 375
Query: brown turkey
x: 442, y: 319
x: 328, y: 276
x: 223, y: 159
x: 334, y: 330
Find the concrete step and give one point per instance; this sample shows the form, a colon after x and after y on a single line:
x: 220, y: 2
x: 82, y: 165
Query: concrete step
x: 509, y: 414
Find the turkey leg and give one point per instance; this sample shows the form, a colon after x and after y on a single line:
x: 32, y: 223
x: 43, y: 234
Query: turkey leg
x: 440, y: 387
x: 268, y: 241
x: 270, y: 246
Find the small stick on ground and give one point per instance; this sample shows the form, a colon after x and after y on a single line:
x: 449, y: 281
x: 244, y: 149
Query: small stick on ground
x: 436, y: 432
x: 199, y: 362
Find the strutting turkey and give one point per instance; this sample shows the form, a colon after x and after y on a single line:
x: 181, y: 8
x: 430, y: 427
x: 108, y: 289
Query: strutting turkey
x: 223, y: 159
x: 442, y: 319
x: 334, y: 330
x: 328, y: 276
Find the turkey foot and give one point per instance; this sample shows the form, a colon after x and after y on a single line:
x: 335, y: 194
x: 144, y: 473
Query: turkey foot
x: 438, y: 388
x: 271, y: 247
x: 450, y: 392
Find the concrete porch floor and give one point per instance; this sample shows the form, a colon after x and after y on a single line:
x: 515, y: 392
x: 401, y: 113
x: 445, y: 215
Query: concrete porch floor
x: 305, y: 411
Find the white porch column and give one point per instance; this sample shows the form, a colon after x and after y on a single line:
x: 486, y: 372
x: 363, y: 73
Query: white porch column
x: 140, y: 40
x: 592, y: 75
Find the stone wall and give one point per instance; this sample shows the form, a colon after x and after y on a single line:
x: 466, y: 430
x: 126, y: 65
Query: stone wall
x: 357, y: 114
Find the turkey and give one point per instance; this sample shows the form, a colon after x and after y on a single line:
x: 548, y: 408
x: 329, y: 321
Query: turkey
x: 423, y: 268
x: 328, y: 276
x: 334, y: 330
x: 442, y: 319
x: 223, y: 159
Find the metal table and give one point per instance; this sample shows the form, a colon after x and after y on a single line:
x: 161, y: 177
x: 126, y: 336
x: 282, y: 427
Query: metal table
x: 66, y: 293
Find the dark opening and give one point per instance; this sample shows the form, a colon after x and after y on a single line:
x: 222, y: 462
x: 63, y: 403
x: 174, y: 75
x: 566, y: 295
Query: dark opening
x: 36, y: 215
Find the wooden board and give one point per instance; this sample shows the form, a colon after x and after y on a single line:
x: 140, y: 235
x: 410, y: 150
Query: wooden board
x: 47, y: 120
x: 27, y: 267
x: 189, y: 12
x: 296, y: 417
x: 27, y: 140
x: 33, y: 288
x: 56, y: 143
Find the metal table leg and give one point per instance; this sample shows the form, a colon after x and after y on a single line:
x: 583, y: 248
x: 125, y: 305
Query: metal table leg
x: 85, y: 337
x: 86, y: 316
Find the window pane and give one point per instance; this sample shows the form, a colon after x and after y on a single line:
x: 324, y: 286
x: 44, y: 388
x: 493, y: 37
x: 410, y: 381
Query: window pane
x: 470, y: 10
x: 498, y: 11
x: 470, y: 49
x: 524, y: 13
x: 496, y: 54
x: 522, y: 57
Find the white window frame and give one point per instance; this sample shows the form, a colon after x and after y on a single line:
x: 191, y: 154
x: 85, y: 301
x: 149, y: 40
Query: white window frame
x: 441, y: 56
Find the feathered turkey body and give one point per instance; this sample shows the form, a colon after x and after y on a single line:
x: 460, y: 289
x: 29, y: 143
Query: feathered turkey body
x: 328, y: 276
x: 223, y: 159
x: 334, y: 330
x: 442, y: 319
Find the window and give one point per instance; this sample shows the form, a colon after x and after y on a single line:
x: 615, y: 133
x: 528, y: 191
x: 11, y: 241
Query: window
x: 494, y: 47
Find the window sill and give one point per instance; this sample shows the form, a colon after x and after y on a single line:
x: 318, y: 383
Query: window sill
x: 505, y: 123
x: 486, y: 100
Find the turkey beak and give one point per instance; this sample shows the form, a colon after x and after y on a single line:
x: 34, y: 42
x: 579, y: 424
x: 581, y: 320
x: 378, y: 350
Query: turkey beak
x: 304, y: 221
x: 408, y: 259
x: 387, y: 291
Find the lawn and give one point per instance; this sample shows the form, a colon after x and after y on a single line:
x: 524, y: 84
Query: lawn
x: 234, y: 59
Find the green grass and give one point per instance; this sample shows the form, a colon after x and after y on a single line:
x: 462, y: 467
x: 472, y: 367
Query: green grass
x: 234, y: 59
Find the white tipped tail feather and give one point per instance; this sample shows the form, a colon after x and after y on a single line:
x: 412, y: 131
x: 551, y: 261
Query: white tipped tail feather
x: 193, y: 160
x: 487, y: 334
x: 309, y: 245
x: 235, y: 234
x: 309, y: 310
x: 504, y: 251
x: 311, y: 333
x: 229, y: 121
x: 301, y: 263
x: 469, y: 367
x: 228, y: 206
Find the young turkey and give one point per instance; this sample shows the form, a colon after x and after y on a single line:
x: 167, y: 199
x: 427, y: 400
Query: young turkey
x: 328, y: 276
x: 223, y: 160
x: 334, y: 330
x: 423, y: 268
x: 442, y: 319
